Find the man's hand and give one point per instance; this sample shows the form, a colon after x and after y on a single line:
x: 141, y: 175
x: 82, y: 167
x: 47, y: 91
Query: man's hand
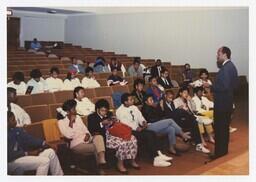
x: 139, y: 129
x: 87, y: 137
x: 106, y: 122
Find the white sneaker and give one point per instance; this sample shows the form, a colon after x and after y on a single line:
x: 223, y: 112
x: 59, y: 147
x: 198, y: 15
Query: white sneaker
x: 231, y: 130
x: 163, y: 156
x: 159, y: 162
x: 201, y: 148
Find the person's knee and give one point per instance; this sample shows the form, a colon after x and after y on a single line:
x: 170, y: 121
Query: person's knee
x: 50, y: 153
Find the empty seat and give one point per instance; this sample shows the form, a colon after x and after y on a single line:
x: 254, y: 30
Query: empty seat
x: 102, y: 82
x: 108, y: 98
x: 104, y: 75
x: 24, y: 100
x: 38, y: 112
x: 90, y: 92
x: 52, y: 109
x: 43, y: 98
x: 62, y: 96
x: 103, y: 91
x: 120, y: 88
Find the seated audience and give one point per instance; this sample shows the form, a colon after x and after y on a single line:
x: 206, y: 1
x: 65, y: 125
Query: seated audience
x: 89, y: 80
x: 98, y: 122
x: 53, y: 82
x: 35, y: 45
x: 114, y: 63
x: 187, y: 75
x: 136, y: 70
x: 21, y: 116
x: 84, y: 106
x: 81, y: 141
x: 71, y: 81
x: 186, y: 108
x: 203, y: 80
x: 138, y: 93
x: 18, y: 83
x: 204, y: 111
x: 155, y: 90
x: 156, y: 122
x: 165, y: 80
x: 37, y: 82
x: 78, y: 68
x: 157, y: 68
x: 26, y: 153
x: 100, y: 65
x: 131, y: 116
x: 115, y: 79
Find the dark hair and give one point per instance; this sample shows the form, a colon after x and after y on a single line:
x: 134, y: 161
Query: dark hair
x: 101, y: 103
x: 145, y: 98
x: 35, y: 39
x: 113, y: 58
x: 183, y: 89
x: 158, y: 60
x: 54, y: 69
x: 187, y: 64
x: 151, y: 78
x: 67, y: 106
x: 164, y: 70
x: 137, y: 82
x: 88, y: 69
x: 18, y: 76
x: 167, y: 92
x: 35, y: 73
x: 196, y: 89
x: 227, y: 51
x: 76, y: 90
x: 114, y: 68
x: 125, y: 97
x: 136, y: 60
x: 202, y: 71
x: 68, y: 76
x: 11, y: 90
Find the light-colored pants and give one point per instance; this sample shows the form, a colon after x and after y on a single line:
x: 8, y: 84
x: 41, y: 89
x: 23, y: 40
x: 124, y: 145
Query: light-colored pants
x: 95, y: 147
x: 166, y: 126
x: 42, y: 163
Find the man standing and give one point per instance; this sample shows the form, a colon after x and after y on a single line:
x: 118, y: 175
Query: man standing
x: 225, y: 83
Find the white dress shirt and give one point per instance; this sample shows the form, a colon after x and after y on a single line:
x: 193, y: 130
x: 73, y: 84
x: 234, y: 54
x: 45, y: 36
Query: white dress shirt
x: 90, y: 83
x: 54, y: 84
x: 20, y: 114
x: 199, y: 103
x: 200, y: 82
x: 76, y: 133
x: 20, y: 89
x: 38, y: 87
x: 84, y: 107
x: 71, y: 84
x: 131, y: 116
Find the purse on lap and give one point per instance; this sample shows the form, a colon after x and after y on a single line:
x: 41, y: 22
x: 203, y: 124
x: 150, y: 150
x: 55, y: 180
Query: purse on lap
x: 120, y: 130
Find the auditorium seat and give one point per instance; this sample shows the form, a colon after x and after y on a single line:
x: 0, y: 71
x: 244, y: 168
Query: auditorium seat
x: 103, y: 91
x: 36, y: 130
x: 131, y: 88
x: 102, y: 82
x: 129, y: 79
x: 104, y: 75
x: 52, y: 109
x: 90, y: 93
x: 62, y: 96
x: 120, y: 88
x: 43, y: 98
x: 24, y: 100
x: 108, y: 98
x: 38, y: 112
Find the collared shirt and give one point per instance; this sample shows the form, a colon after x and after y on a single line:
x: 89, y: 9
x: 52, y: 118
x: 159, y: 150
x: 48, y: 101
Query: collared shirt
x: 85, y: 106
x: 54, y: 84
x: 200, y: 82
x: 76, y: 133
x: 20, y: 114
x: 35, y: 46
x: 131, y: 116
x: 71, y: 84
x: 200, y: 103
x: 20, y: 89
x: 90, y: 83
x: 159, y: 70
x: 38, y: 87
x: 225, y: 62
x: 135, y: 73
x: 165, y: 81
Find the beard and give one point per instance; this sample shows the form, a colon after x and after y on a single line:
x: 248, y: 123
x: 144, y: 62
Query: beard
x: 219, y: 64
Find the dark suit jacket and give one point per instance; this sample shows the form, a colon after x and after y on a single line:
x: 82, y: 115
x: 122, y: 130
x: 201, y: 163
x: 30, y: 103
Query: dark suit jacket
x: 162, y: 83
x: 152, y: 114
x: 154, y: 71
x: 226, y: 82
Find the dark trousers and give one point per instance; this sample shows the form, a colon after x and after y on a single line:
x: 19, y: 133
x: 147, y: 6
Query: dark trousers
x: 221, y: 129
x: 149, y: 139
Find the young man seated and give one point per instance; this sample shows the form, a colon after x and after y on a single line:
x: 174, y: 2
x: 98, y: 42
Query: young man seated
x: 157, y: 69
x: 136, y: 70
x: 114, y: 63
x: 89, y: 80
x: 84, y: 106
x: 185, y: 119
x: 115, y: 79
x: 100, y: 65
x: 165, y: 80
x: 98, y: 124
x: 187, y: 75
x: 18, y: 83
x: 21, y: 116
x: 53, y: 82
x: 26, y: 153
x: 138, y: 93
x: 79, y: 68
x: 154, y: 89
x: 35, y: 45
x: 156, y: 122
x: 71, y: 81
x: 131, y: 116
x: 37, y: 83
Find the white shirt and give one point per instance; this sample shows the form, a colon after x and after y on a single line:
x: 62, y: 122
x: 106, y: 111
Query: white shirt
x: 165, y: 81
x: 85, y: 106
x: 71, y: 84
x: 225, y: 62
x: 20, y: 89
x: 131, y: 116
x: 200, y: 102
x: 21, y: 115
x: 38, y: 87
x: 200, y: 82
x: 54, y: 84
x: 77, y: 133
x: 90, y: 83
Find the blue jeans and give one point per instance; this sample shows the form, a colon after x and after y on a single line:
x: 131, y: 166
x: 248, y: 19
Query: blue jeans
x: 168, y: 127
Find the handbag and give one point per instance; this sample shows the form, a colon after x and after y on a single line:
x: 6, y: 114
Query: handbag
x: 120, y: 130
